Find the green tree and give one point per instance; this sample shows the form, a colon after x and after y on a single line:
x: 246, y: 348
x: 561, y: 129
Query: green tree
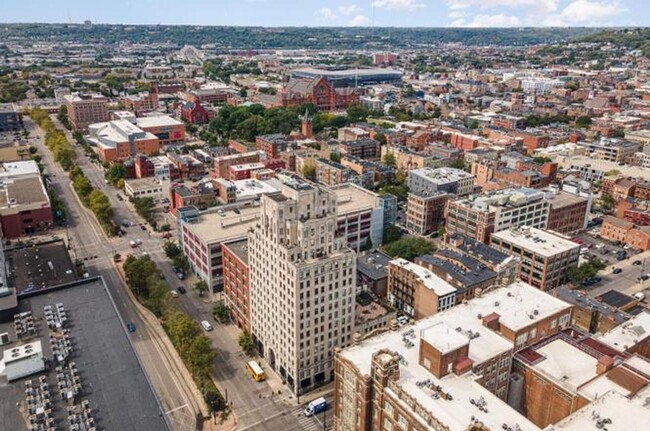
x: 201, y: 287
x: 409, y: 248
x: 243, y: 93
x: 246, y: 342
x: 583, y: 122
x: 577, y: 274
x: 181, y: 263
x: 474, y: 124
x: 381, y: 138
x: 115, y: 173
x: 613, y: 173
x: 607, y: 202
x: 357, y: 113
x: 335, y: 157
x: 391, y: 234
x: 309, y: 172
x: 389, y: 160
x: 368, y: 244
x: 144, y: 208
x: 199, y: 354
x: 138, y: 271
x: 221, y: 313
x: 171, y: 249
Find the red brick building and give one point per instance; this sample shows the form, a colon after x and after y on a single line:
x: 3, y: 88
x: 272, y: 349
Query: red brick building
x: 272, y: 145
x: 236, y: 284
x: 319, y: 92
x: 195, y: 113
x: 24, y: 206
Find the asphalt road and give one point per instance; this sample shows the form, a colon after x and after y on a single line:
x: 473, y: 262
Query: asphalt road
x: 256, y: 405
x: 88, y: 242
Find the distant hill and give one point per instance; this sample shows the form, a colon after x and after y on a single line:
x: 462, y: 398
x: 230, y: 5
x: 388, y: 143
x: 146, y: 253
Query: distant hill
x: 636, y: 38
x: 229, y: 38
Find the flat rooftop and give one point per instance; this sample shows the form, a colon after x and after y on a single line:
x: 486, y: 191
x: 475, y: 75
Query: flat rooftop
x: 112, y: 379
x: 214, y: 227
x: 430, y: 280
x: 251, y: 188
x: 441, y: 328
x: 19, y: 168
x: 157, y: 121
x: 373, y: 264
x: 457, y: 266
x: 351, y: 199
x: 624, y: 414
x: 628, y: 334
x: 23, y: 193
x: 541, y: 242
x: 563, y: 199
x: 28, y: 266
x: 239, y: 249
x: 569, y: 373
x: 603, y: 166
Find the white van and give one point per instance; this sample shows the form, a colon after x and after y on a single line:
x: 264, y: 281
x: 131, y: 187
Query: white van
x: 206, y: 325
x: 639, y: 296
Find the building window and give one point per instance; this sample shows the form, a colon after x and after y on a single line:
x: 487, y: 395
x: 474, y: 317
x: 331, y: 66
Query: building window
x: 388, y: 425
x: 402, y: 422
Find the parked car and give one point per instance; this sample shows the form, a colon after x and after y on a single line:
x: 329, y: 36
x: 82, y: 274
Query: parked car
x: 181, y: 290
x: 617, y: 271
x: 206, y: 325
x: 636, y: 263
x: 402, y: 320
x: 644, y: 277
x: 130, y: 326
x: 640, y: 296
x: 174, y: 293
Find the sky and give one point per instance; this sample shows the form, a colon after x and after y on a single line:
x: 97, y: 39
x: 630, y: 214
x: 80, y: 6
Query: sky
x: 393, y: 13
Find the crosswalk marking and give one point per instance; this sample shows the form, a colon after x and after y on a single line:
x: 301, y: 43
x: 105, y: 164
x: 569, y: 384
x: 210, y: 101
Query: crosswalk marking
x: 307, y: 423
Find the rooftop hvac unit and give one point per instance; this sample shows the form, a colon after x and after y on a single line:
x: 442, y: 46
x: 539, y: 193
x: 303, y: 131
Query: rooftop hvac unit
x: 4, y: 338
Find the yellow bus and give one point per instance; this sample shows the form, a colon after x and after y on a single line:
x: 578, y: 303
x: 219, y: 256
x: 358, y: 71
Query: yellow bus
x: 256, y: 371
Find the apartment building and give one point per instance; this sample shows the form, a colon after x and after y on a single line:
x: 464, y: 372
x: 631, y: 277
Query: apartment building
x: 202, y: 240
x: 543, y: 257
x: 85, y: 109
x: 450, y: 371
x: 141, y: 102
x: 479, y: 216
x: 331, y: 173
x: 236, y: 282
x: 425, y: 214
x: 272, y: 145
x: 302, y: 281
x: 367, y: 149
x: 572, y: 372
x: 10, y: 120
x: 425, y: 181
x: 612, y: 150
x: 360, y: 215
x: 222, y: 164
x: 568, y: 212
x: 466, y: 274
x: 416, y: 291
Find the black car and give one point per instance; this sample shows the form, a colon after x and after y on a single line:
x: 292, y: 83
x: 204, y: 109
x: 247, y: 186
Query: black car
x: 636, y: 263
x: 644, y: 277
x: 620, y: 257
x: 617, y: 271
x: 181, y: 290
x: 143, y: 227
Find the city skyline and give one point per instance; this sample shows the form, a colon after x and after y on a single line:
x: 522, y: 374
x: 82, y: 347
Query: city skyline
x: 364, y: 13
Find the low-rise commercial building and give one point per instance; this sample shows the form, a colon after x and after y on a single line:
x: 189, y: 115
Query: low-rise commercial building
x: 449, y: 371
x: 145, y: 188
x: 167, y: 129
x: 479, y: 216
x: 426, y: 214
x: 121, y: 140
x: 544, y: 258
x: 236, y: 285
x: 416, y: 291
x: 469, y: 276
x: 426, y: 181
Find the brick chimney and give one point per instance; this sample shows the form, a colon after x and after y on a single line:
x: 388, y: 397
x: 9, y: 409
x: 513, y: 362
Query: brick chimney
x: 605, y: 363
x: 491, y: 321
x: 463, y: 365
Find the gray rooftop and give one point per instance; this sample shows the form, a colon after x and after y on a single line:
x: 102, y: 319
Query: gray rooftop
x: 374, y: 264
x: 476, y: 248
x: 111, y: 377
x: 475, y: 273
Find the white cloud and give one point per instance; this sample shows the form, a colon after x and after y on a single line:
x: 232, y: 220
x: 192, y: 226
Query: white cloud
x: 585, y: 12
x: 349, y: 10
x: 359, y: 21
x: 326, y: 13
x: 499, y: 20
x: 457, y: 14
x: 398, y: 4
x: 540, y: 6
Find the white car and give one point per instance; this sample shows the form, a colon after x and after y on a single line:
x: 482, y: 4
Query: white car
x: 402, y: 320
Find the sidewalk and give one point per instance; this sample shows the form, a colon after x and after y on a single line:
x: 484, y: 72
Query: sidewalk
x: 288, y: 397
